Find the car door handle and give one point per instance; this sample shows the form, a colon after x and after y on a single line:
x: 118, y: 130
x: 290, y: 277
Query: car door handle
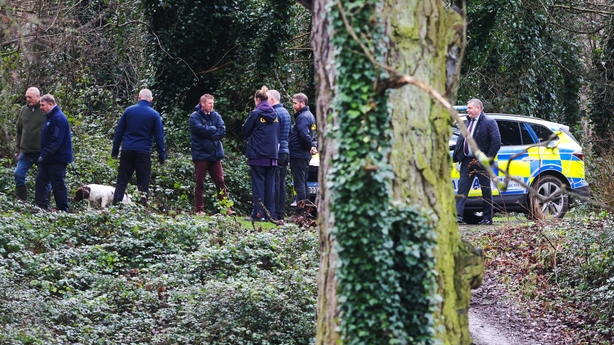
x: 528, y: 159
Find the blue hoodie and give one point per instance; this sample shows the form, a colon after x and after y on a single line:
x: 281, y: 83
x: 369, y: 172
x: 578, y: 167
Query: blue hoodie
x: 206, y: 131
x: 261, y: 130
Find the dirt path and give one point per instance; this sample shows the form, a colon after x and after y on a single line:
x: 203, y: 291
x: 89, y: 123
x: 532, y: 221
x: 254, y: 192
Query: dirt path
x: 496, y: 318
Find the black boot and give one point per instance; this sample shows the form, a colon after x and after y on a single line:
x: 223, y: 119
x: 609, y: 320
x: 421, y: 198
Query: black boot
x: 22, y: 192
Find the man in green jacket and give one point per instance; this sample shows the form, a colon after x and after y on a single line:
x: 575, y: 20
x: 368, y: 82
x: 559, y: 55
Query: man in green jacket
x: 28, y: 141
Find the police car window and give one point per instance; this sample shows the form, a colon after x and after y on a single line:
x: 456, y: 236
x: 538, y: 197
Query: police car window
x: 527, y: 139
x: 542, y: 132
x: 510, y: 133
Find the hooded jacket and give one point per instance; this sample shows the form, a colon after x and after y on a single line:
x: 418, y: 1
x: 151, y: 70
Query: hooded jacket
x: 261, y: 130
x: 206, y: 131
x: 56, y: 140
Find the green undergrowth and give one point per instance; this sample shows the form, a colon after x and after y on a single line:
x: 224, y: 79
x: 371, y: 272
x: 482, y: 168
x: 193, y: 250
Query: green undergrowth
x: 560, y: 269
x: 127, y: 276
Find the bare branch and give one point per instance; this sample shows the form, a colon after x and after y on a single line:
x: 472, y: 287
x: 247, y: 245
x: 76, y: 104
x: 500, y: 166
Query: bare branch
x: 215, y: 68
x: 307, y: 3
x: 582, y: 9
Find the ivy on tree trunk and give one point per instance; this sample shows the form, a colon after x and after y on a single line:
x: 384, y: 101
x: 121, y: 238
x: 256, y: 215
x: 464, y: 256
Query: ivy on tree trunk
x: 385, y: 176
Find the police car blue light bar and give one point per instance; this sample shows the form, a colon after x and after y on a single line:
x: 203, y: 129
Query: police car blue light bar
x: 460, y: 107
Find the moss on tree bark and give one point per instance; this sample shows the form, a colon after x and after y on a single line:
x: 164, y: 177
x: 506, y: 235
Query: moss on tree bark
x: 420, y: 33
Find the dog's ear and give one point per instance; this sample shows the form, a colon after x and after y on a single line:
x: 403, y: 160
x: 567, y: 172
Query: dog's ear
x: 86, y: 192
x: 79, y: 194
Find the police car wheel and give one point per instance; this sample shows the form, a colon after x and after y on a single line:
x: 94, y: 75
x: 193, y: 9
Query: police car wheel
x: 548, y: 186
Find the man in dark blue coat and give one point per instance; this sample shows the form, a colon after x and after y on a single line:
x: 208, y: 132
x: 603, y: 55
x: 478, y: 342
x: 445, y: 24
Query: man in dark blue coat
x: 206, y: 132
x: 138, y: 127
x: 283, y: 155
x: 302, y: 144
x: 485, y: 132
x: 55, y: 154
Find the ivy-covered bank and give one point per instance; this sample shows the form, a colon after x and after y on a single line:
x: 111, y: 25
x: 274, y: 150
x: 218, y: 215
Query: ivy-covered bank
x: 126, y: 276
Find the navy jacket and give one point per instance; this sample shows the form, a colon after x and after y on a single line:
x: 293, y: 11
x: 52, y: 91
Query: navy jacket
x: 261, y: 130
x: 138, y: 127
x: 56, y: 140
x: 284, y: 127
x: 486, y: 135
x: 303, y: 134
x: 206, y: 131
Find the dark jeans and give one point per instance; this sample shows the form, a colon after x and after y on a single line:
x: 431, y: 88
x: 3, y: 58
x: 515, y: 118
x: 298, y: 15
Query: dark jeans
x: 300, y: 170
x: 464, y: 185
x: 54, y: 174
x: 280, y: 184
x: 217, y: 175
x: 263, y: 188
x: 128, y: 163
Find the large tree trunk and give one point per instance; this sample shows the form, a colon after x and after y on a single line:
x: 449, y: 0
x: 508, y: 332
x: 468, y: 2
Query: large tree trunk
x: 421, y: 33
x: 324, y: 79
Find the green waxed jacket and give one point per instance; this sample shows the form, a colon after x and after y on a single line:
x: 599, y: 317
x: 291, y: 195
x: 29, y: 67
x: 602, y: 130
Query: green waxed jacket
x: 29, y: 125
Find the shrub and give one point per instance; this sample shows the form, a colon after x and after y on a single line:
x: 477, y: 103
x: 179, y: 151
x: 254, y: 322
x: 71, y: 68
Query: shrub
x: 127, y: 276
x: 582, y: 265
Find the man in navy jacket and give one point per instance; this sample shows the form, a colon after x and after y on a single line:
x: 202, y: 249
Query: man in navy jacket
x: 302, y: 144
x: 55, y: 154
x: 283, y: 156
x: 485, y: 132
x: 138, y: 127
x: 206, y: 132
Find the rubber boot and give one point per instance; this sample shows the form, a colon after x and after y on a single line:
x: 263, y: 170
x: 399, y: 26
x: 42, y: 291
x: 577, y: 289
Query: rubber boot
x: 22, y: 192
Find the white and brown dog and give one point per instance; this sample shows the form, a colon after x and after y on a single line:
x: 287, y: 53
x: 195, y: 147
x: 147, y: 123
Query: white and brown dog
x: 99, y: 194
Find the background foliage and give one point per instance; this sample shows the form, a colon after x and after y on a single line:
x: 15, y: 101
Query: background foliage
x: 230, y: 49
x: 517, y: 61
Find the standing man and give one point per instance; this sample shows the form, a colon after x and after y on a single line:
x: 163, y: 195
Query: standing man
x: 55, y: 154
x: 485, y: 132
x: 28, y: 142
x: 206, y: 130
x: 138, y: 127
x: 283, y: 155
x: 302, y: 144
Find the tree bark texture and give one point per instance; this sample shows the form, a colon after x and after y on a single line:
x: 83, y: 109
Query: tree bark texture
x: 324, y: 79
x: 421, y: 32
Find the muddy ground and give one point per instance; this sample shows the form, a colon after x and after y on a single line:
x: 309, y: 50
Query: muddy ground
x: 496, y: 317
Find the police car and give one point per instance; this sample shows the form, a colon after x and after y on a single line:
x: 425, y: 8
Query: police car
x: 545, y: 168
x: 312, y: 179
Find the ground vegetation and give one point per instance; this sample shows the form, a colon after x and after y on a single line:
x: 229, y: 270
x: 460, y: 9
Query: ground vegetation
x: 128, y: 276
